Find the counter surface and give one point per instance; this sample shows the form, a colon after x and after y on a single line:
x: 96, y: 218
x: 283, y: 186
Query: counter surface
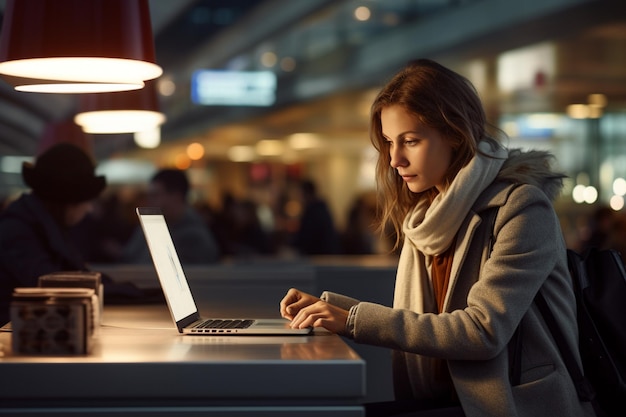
x: 139, y: 360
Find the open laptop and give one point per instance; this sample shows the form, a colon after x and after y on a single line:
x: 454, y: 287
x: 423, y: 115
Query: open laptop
x: 178, y: 295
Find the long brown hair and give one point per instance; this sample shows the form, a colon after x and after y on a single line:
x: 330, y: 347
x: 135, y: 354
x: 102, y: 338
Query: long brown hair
x: 441, y: 99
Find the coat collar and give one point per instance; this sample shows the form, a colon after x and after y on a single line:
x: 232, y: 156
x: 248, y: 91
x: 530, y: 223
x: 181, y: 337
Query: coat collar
x: 496, y: 195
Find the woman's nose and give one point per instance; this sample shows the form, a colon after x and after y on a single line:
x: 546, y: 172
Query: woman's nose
x: 397, y: 158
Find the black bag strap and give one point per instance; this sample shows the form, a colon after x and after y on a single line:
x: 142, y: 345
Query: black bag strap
x: 583, y: 388
x: 515, y: 357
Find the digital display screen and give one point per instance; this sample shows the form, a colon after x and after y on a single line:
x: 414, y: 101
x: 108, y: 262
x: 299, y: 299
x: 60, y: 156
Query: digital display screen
x: 233, y: 88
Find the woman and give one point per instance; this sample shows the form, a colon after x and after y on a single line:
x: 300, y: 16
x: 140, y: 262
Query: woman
x: 480, y: 238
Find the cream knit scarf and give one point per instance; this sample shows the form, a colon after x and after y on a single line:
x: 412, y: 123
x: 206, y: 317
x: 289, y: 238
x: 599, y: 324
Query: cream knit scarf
x: 430, y: 229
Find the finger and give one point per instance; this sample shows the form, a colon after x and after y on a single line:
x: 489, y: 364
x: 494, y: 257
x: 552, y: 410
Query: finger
x: 297, y: 302
x: 299, y: 318
x: 291, y: 296
x: 283, y: 308
x: 308, y: 316
x: 321, y: 314
x: 317, y: 319
x: 290, y: 311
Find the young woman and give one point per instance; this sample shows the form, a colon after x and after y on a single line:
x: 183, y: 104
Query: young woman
x: 479, y: 239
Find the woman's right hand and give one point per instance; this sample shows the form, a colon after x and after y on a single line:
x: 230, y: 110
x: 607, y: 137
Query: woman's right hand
x: 294, y: 301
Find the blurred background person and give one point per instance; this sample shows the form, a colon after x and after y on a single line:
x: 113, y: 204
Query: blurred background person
x: 358, y: 236
x: 194, y: 242
x: 600, y: 227
x: 35, y: 229
x: 107, y: 227
x: 239, y: 230
x: 617, y: 238
x: 316, y: 234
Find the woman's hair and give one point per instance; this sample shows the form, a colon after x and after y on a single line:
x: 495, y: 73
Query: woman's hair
x: 441, y: 99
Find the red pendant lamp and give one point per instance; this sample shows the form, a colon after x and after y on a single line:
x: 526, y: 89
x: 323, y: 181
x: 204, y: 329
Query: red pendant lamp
x: 120, y: 112
x: 77, y: 46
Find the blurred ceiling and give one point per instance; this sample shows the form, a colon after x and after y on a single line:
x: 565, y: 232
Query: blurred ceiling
x: 179, y: 28
x: 339, y: 62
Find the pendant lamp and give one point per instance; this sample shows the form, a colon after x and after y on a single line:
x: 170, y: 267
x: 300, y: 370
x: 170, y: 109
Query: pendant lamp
x: 77, y: 46
x: 120, y: 112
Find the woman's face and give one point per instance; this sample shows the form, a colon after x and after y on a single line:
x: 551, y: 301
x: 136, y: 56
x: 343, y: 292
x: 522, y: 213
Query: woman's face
x: 420, y: 154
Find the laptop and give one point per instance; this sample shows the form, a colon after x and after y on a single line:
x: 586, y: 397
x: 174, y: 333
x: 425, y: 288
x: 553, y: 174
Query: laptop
x: 178, y: 294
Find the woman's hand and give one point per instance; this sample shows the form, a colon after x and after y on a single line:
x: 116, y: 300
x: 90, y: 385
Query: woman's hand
x: 294, y: 301
x: 305, y: 310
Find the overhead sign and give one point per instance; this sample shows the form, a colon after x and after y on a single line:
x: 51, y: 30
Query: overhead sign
x: 233, y: 88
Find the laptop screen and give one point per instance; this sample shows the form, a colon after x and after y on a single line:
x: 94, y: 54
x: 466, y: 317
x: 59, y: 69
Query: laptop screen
x: 167, y: 264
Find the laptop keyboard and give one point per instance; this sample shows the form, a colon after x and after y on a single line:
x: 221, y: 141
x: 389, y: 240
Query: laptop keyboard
x: 224, y: 324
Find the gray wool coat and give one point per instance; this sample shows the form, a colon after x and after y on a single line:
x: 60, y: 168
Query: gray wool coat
x: 493, y: 282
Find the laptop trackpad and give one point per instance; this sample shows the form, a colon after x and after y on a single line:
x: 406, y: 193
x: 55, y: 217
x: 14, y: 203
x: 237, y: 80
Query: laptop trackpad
x: 277, y: 323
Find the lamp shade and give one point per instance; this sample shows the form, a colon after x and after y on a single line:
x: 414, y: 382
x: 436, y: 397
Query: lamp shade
x: 38, y: 85
x: 120, y: 112
x: 90, y: 46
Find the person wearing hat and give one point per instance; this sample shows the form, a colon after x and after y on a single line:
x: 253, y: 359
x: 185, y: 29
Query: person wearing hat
x: 34, y: 229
